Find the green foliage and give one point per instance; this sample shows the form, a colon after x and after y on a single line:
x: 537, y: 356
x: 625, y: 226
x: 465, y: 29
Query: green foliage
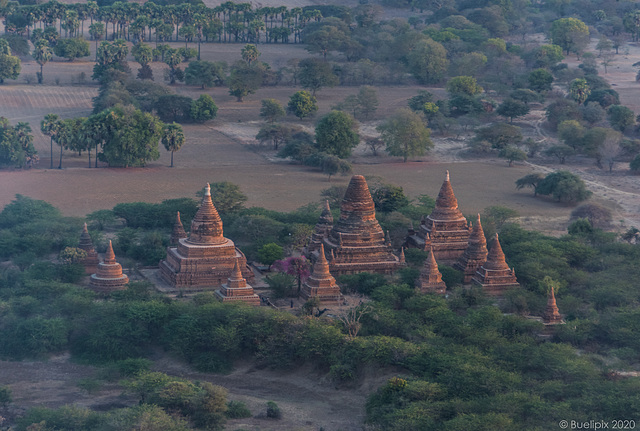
x: 511, y: 109
x: 336, y: 134
x: 174, y: 108
x: 564, y: 187
x: 72, y: 48
x: 5, y: 396
x: 245, y: 79
x: 463, y: 85
x: 315, y: 74
x: 579, y: 90
x: 273, y: 411
x: 405, y: 135
x: 302, y: 104
x: 620, y: 117
x: 499, y: 135
x: 271, y: 110
x: 154, y: 216
x: 282, y: 285
x: 428, y: 61
x: 9, y: 64
x: 205, y: 73
x: 237, y: 410
x: 269, y: 253
x: 540, y: 80
x: 571, y: 34
x: 23, y: 209
x: 512, y: 154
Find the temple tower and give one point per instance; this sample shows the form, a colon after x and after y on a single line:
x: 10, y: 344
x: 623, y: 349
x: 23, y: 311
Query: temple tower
x: 551, y: 314
x: 321, y: 230
x: 356, y: 243
x: 474, y: 255
x: 108, y: 276
x: 321, y: 283
x: 178, y: 231
x: 237, y: 289
x: 430, y: 280
x: 204, y: 259
x: 91, y: 261
x: 494, y: 275
x: 445, y: 229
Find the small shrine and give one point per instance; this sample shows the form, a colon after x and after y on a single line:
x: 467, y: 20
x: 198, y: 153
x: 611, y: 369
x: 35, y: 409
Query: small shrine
x: 551, y: 314
x: 108, y: 276
x: 321, y: 284
x: 474, y: 255
x: 356, y: 242
x: 321, y: 230
x: 430, y: 280
x: 237, y: 289
x: 204, y: 259
x: 91, y: 261
x: 445, y: 230
x: 494, y: 275
x: 178, y: 231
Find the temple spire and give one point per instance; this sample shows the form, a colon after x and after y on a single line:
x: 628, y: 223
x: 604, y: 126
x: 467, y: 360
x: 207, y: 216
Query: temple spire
x: 108, y: 276
x: 178, y: 230
x: 321, y: 284
x: 430, y: 279
x: 206, y: 227
x: 495, y: 259
x: 110, y: 256
x: 321, y: 266
x: 552, y: 314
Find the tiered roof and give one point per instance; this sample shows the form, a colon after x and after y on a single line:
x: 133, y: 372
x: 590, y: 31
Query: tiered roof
x: 178, y: 230
x: 446, y: 204
x: 475, y: 254
x: 430, y: 279
x: 551, y: 313
x: 494, y: 275
x: 91, y: 261
x: 108, y: 276
x: 206, y: 226
x: 237, y: 289
x: 321, y: 283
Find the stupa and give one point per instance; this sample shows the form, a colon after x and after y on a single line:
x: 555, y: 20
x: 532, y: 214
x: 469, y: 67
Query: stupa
x: 237, y: 289
x: 356, y: 243
x: 322, y: 229
x: 430, y: 280
x: 321, y: 284
x: 474, y: 255
x: 108, y: 276
x: 494, y: 275
x: 551, y: 314
x: 204, y: 259
x: 91, y: 261
x: 178, y: 231
x: 445, y: 229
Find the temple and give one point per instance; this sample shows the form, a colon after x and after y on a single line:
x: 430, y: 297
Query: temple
x: 551, y: 314
x: 475, y: 255
x: 91, y: 261
x: 494, y: 275
x: 356, y: 243
x: 178, y: 231
x: 322, y: 229
x: 108, y: 276
x: 204, y: 259
x: 445, y: 229
x: 321, y: 284
x: 430, y: 280
x: 237, y: 289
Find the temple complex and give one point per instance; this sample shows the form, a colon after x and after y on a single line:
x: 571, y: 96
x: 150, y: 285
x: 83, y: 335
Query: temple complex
x: 430, y: 280
x: 356, y: 243
x: 474, y: 255
x: 178, y: 231
x: 445, y: 229
x: 91, y: 261
x: 237, y: 289
x: 494, y: 275
x: 108, y: 276
x: 551, y: 314
x: 321, y: 284
x: 204, y: 259
x: 322, y: 229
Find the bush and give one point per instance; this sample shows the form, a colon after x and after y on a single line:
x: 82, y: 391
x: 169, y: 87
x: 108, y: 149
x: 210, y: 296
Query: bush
x: 273, y: 411
x: 5, y: 395
x: 237, y: 410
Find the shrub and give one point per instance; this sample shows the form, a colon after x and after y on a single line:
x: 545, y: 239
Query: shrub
x: 237, y: 410
x: 273, y: 411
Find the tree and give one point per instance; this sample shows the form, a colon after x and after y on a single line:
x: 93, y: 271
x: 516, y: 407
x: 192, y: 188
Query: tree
x: 336, y: 134
x: 315, y: 74
x: 428, y: 62
x: 271, y: 110
x: 540, y: 80
x: 463, y: 85
x: 203, y: 109
x: 564, y: 187
x: 367, y: 100
x: 269, y: 253
x: 571, y: 133
x: 405, y: 135
x: 41, y: 54
x: 143, y: 54
x: 579, y: 90
x: 531, y: 180
x: 9, y: 64
x: 374, y: 144
x: 49, y: 127
x: 172, y: 138
x: 173, y: 108
x: 512, y: 154
x: 227, y: 197
x: 525, y: 96
x: 332, y: 165
x: 96, y: 31
x: 245, y: 79
x: 620, y: 117
x: 511, y: 109
x: 571, y: 34
x: 499, y: 135
x: 250, y: 53
x: 173, y: 58
x: 417, y: 102
x: 72, y: 48
x: 561, y: 152
x: 611, y: 149
x: 276, y: 133
x: 302, y: 104
x: 204, y: 73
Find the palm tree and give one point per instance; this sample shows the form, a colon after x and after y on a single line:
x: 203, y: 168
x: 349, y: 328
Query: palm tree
x: 25, y: 139
x: 41, y: 54
x: 172, y: 138
x: 49, y: 127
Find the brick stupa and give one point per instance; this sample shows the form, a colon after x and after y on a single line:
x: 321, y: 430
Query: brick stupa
x: 178, y: 231
x: 551, y: 314
x: 430, y: 280
x: 356, y: 242
x: 203, y: 260
x: 237, y: 289
x: 322, y: 229
x: 475, y: 254
x: 108, y: 276
x: 494, y: 275
x: 321, y: 284
x: 445, y: 229
x: 91, y: 261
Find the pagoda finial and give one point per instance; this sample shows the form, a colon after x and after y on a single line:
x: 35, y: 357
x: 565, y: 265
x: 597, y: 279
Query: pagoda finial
x: 402, y: 258
x: 321, y: 267
x: 552, y: 314
x: 447, y: 176
x: 84, y: 228
x: 495, y: 259
x: 207, y: 190
x: 110, y: 256
x: 431, y: 260
x: 236, y: 274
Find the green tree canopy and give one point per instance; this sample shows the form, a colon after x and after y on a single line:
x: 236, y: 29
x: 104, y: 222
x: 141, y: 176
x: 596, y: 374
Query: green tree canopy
x: 570, y: 34
x: 271, y: 110
x: 172, y: 138
x: 245, y: 79
x: 203, y: 109
x: 336, y: 134
x: 564, y: 187
x: 302, y: 104
x: 315, y: 74
x: 204, y: 73
x: 428, y: 61
x: 463, y: 85
x: 405, y: 135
